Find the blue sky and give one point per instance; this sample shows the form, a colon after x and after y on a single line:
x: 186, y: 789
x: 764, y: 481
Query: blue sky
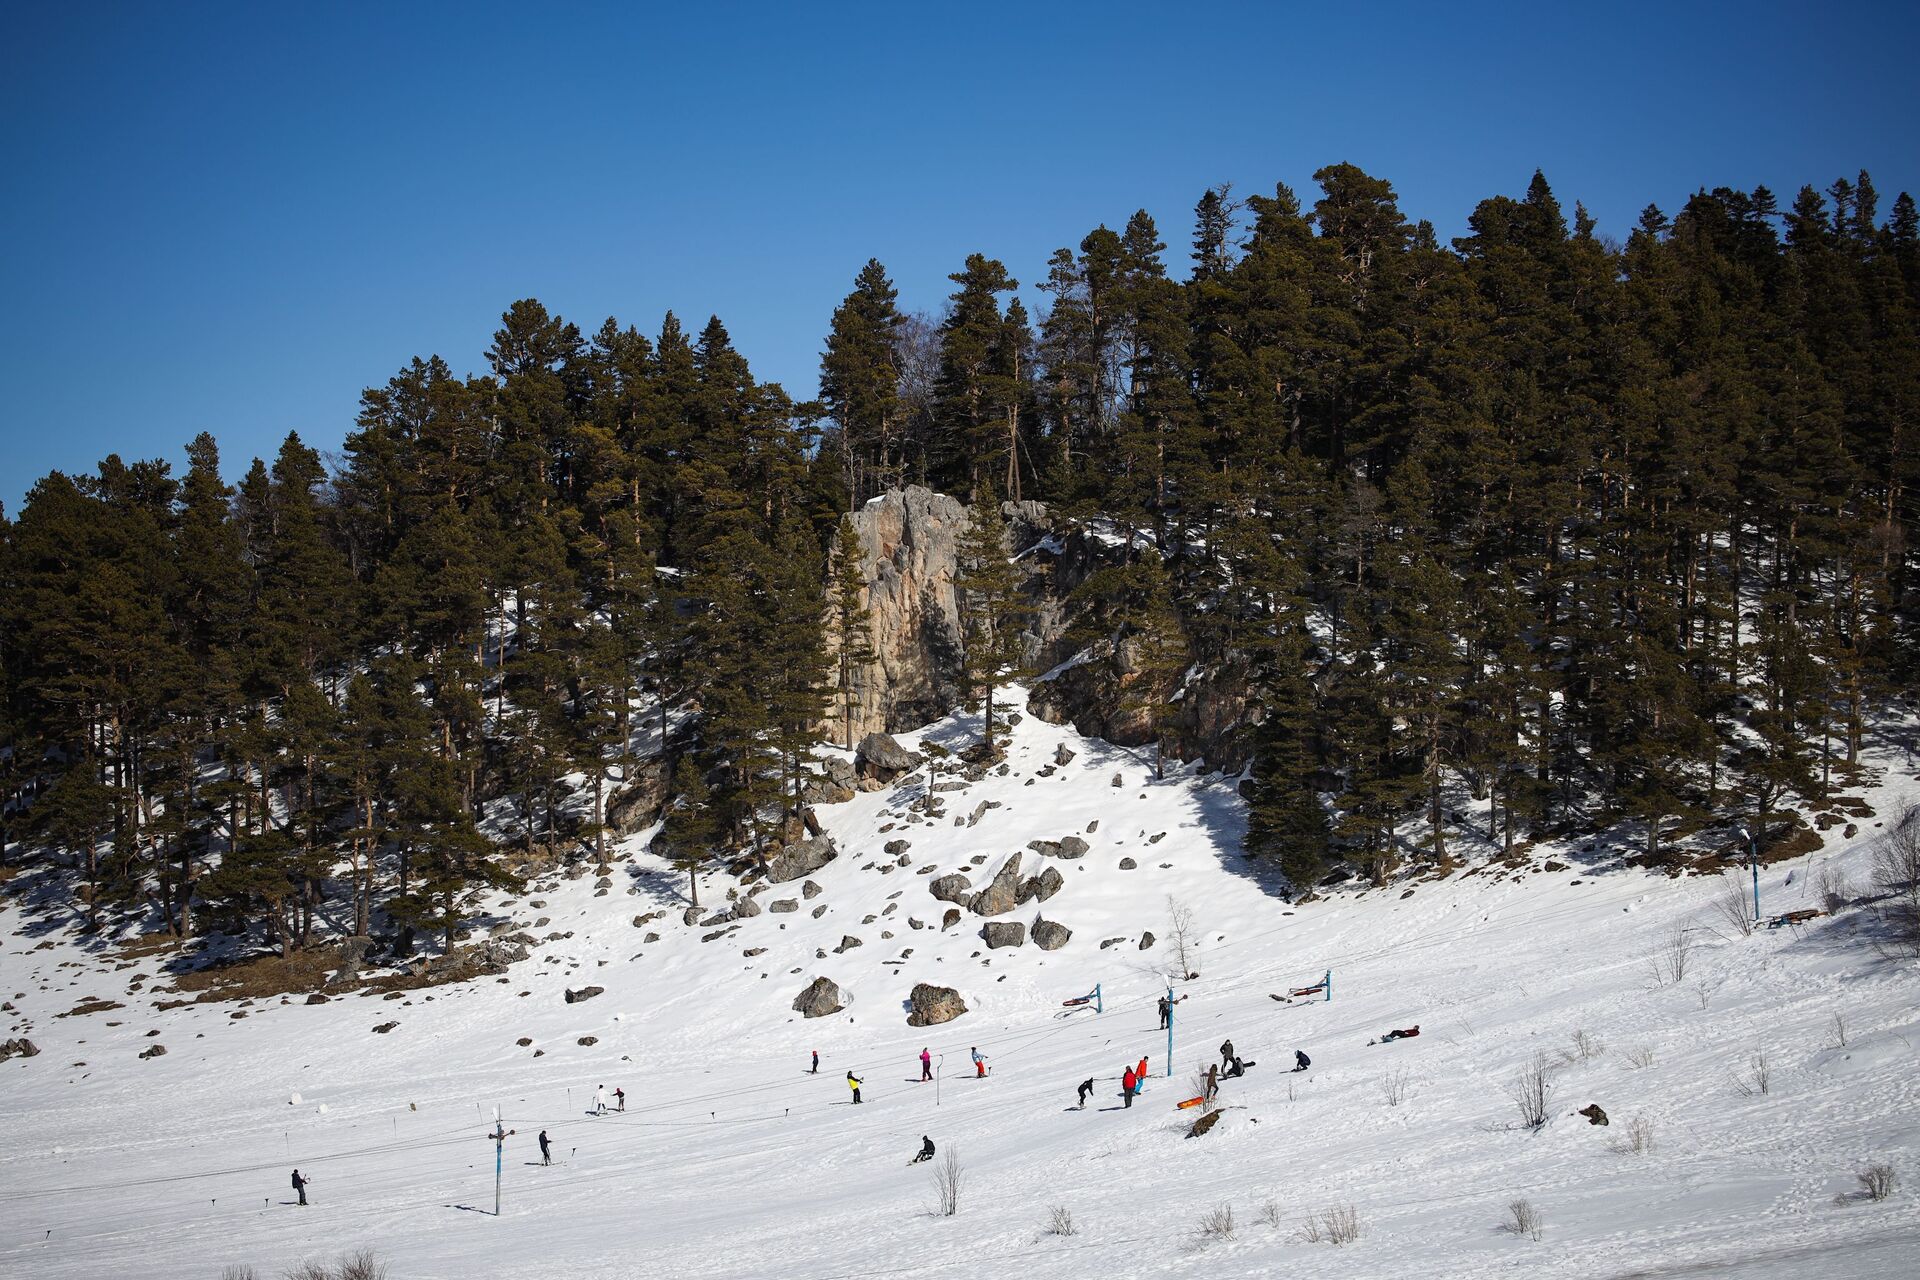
x: 232, y: 218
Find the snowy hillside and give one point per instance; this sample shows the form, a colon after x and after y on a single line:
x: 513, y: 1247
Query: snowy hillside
x: 731, y: 1160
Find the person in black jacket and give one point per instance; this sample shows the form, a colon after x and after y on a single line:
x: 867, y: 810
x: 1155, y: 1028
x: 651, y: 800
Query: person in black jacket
x: 1301, y: 1061
x: 926, y: 1151
x: 300, y: 1186
x: 546, y: 1152
x: 1086, y: 1088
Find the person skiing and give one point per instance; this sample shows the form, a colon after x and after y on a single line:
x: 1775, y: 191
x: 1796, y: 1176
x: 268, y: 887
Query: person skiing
x: 599, y: 1099
x: 300, y: 1186
x: 1140, y: 1074
x: 620, y: 1099
x: 816, y: 1063
x: 1213, y: 1080
x: 1086, y: 1088
x: 853, y: 1083
x: 1166, y: 1007
x: 926, y: 1151
x: 1226, y: 1052
x: 546, y: 1149
x: 979, y: 1065
x: 1301, y: 1061
x: 1127, y: 1083
x: 926, y: 1065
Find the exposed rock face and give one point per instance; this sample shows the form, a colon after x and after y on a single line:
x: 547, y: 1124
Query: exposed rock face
x: 881, y: 758
x: 909, y: 552
x: 821, y: 998
x: 950, y: 888
x: 638, y: 803
x: 1003, y: 895
x: 797, y: 860
x: 1050, y: 935
x: 837, y: 787
x: 933, y: 1005
x: 1003, y: 933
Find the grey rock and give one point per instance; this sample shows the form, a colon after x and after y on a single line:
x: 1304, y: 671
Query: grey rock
x: 1003, y: 894
x: 751, y: 952
x: 810, y: 890
x: 690, y: 916
x: 1050, y: 935
x: 584, y: 993
x: 638, y: 804
x: 746, y: 909
x: 950, y: 888
x: 782, y: 906
x: 796, y: 860
x: 1063, y: 755
x: 1146, y: 940
x: 1003, y: 933
x: 820, y: 999
x: 1156, y: 837
x: 1128, y: 864
x: 929, y: 1006
x: 819, y: 911
x: 881, y: 759
x: 951, y: 918
x: 1093, y: 826
x: 1045, y: 848
x: 897, y: 847
x: 19, y: 1048
x: 160, y: 1050
x: 1072, y: 847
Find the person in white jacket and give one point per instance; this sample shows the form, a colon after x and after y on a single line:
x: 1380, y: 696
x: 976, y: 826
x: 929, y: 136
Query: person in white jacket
x: 600, y: 1100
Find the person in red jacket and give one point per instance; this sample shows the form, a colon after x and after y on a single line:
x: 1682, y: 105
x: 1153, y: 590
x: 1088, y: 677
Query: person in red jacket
x: 1128, y: 1081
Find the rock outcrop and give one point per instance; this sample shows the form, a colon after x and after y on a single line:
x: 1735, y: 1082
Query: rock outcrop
x: 1050, y: 935
x: 820, y: 999
x: 638, y: 803
x: 931, y: 1005
x: 881, y: 759
x: 950, y: 888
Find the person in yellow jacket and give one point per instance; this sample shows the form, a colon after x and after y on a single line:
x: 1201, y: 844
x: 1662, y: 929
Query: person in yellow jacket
x: 853, y: 1083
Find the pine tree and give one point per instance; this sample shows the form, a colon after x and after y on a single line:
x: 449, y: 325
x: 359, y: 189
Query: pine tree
x: 994, y: 609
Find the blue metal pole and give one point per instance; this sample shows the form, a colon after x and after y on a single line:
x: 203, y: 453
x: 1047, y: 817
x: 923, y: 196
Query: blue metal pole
x: 1169, y: 1033
x: 1328, y: 980
x: 1096, y: 999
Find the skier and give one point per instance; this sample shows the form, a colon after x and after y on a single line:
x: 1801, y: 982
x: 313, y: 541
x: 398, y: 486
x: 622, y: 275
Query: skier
x: 926, y: 1065
x: 1301, y: 1061
x: 1226, y: 1052
x: 979, y: 1065
x: 1213, y: 1080
x: 853, y: 1083
x: 1166, y: 1007
x: 1127, y: 1083
x: 816, y: 1063
x: 926, y: 1151
x: 1140, y: 1074
x: 546, y: 1149
x: 620, y: 1099
x: 1086, y: 1088
x: 300, y: 1186
x: 599, y: 1099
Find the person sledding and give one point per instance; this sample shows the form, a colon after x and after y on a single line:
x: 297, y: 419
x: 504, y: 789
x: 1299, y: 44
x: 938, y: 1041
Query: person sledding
x: 1406, y: 1034
x: 926, y: 1065
x: 1301, y: 1061
x: 926, y: 1152
x: 854, y: 1082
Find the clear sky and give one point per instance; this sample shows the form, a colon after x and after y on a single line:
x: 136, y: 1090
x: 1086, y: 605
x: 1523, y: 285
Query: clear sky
x: 233, y: 218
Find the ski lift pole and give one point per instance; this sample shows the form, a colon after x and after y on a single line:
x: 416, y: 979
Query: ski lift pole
x: 938, y: 1071
x: 499, y: 1135
x: 1169, y: 1032
x: 1753, y: 851
x: 1327, y: 982
x: 1096, y: 999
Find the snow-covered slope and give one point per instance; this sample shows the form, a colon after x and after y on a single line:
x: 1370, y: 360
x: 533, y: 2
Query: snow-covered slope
x: 732, y: 1160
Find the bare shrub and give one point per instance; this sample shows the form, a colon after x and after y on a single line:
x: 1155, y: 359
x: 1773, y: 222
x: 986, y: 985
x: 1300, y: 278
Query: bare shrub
x: 948, y: 1175
x: 1270, y: 1212
x: 1836, y: 889
x: 1640, y: 1056
x: 1523, y: 1219
x: 1638, y: 1138
x: 1340, y: 1224
x: 361, y: 1264
x: 1757, y: 1078
x: 1184, y: 935
x: 1896, y: 874
x: 1060, y: 1221
x: 309, y: 1270
x: 1583, y: 1048
x: 239, y: 1271
x: 1674, y: 956
x: 1216, y: 1224
x: 1733, y: 903
x: 1837, y: 1029
x: 1878, y: 1181
x: 1529, y: 1091
x: 1393, y: 1087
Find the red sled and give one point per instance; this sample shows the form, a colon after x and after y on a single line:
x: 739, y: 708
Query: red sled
x: 1190, y: 1102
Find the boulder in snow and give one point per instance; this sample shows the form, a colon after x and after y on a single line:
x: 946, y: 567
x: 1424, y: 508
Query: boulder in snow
x: 933, y: 1005
x: 800, y: 859
x: 1003, y: 933
x: 882, y: 759
x: 950, y: 888
x: 1003, y: 894
x: 821, y: 998
x: 1050, y: 935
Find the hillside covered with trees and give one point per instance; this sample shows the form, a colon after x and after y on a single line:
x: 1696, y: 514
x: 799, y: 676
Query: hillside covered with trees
x: 1604, y: 532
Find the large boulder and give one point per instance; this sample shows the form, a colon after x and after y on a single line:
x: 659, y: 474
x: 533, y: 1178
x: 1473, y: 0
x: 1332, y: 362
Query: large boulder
x: 835, y: 787
x: 820, y: 999
x: 950, y: 888
x: 933, y: 1005
x: 1003, y: 933
x: 881, y: 758
x: 802, y: 858
x: 1050, y: 935
x: 1002, y: 895
x: 1072, y: 847
x: 1041, y: 887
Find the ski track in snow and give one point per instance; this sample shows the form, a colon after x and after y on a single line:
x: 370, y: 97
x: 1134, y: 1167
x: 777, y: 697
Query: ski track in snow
x: 731, y: 1161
